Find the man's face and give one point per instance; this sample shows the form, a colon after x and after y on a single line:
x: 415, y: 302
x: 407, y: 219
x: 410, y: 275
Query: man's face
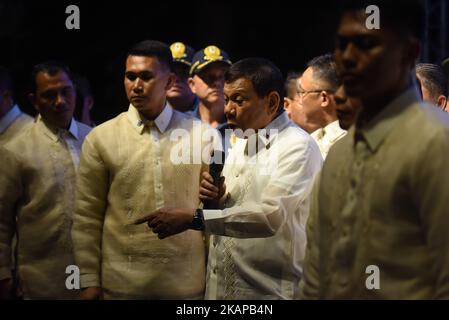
x: 372, y: 62
x: 311, y: 101
x: 346, y: 108
x: 295, y: 110
x: 55, y: 98
x: 146, y: 82
x: 180, y: 89
x: 208, y: 84
x: 244, y: 109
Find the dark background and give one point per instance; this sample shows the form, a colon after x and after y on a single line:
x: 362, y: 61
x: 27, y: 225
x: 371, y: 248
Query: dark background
x: 287, y: 32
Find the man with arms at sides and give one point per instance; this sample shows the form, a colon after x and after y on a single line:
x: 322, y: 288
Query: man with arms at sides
x: 128, y: 168
x: 257, y: 231
x: 180, y: 96
x: 316, y: 96
x: 433, y: 82
x: 12, y: 120
x: 382, y: 233
x: 37, y: 189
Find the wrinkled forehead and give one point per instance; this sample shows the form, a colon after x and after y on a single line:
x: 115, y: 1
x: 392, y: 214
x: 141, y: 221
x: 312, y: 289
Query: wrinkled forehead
x: 240, y: 85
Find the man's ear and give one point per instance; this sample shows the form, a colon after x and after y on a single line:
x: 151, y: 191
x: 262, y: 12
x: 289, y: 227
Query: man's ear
x: 171, y: 81
x: 192, y: 84
x: 32, y: 98
x: 274, y: 102
x: 442, y: 101
x: 325, y: 99
x: 287, y: 103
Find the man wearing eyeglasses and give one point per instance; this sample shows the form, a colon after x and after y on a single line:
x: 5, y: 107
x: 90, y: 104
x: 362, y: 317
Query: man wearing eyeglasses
x: 316, y: 98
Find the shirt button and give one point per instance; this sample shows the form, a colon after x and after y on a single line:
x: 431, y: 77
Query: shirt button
x: 353, y: 183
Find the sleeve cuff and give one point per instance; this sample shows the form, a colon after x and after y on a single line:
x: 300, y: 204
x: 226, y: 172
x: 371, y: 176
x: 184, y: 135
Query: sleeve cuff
x: 214, y: 221
x: 90, y: 280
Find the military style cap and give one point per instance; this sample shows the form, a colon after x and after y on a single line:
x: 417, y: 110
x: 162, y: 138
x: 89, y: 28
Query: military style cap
x: 207, y: 56
x: 182, y: 53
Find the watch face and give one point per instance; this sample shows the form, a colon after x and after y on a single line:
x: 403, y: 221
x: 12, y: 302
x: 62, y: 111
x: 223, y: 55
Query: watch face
x: 197, y: 222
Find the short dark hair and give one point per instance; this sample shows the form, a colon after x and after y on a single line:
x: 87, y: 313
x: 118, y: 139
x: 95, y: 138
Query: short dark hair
x: 325, y: 69
x: 290, y: 86
x: 263, y: 74
x: 52, y: 68
x: 405, y: 16
x: 433, y: 78
x: 153, y: 48
x: 5, y: 80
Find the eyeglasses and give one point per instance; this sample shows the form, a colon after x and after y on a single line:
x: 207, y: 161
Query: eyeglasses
x: 303, y: 93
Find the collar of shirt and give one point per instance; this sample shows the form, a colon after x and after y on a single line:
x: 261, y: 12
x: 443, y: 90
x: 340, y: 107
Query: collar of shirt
x: 375, y: 131
x: 266, y: 135
x: 56, y: 133
x: 162, y: 121
x: 9, y: 118
x: 332, y: 132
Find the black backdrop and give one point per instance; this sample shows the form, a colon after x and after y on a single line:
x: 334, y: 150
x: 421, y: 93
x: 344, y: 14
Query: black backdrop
x: 287, y: 32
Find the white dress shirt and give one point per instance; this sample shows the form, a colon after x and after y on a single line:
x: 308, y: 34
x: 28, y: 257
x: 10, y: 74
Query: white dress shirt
x: 257, y: 241
x: 327, y: 136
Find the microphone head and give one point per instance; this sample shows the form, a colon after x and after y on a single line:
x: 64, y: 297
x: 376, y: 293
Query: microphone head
x: 216, y: 166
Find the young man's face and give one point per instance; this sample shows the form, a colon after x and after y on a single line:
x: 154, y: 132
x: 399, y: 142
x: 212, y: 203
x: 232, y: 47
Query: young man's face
x: 373, y: 63
x: 208, y: 84
x: 146, y: 82
x: 244, y: 109
x: 55, y: 98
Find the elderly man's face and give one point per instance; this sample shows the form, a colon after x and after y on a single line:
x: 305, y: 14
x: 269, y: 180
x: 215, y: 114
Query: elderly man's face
x: 208, y: 84
x: 313, y: 94
x: 372, y: 62
x: 244, y: 109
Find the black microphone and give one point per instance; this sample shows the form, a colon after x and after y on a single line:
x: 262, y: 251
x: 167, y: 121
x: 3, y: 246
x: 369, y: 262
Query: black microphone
x: 216, y: 167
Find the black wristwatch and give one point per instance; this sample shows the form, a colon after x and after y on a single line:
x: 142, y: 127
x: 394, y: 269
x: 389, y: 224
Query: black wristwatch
x: 198, y: 220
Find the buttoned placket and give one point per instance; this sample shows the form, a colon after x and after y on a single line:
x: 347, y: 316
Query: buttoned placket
x: 346, y: 246
x: 157, y: 166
